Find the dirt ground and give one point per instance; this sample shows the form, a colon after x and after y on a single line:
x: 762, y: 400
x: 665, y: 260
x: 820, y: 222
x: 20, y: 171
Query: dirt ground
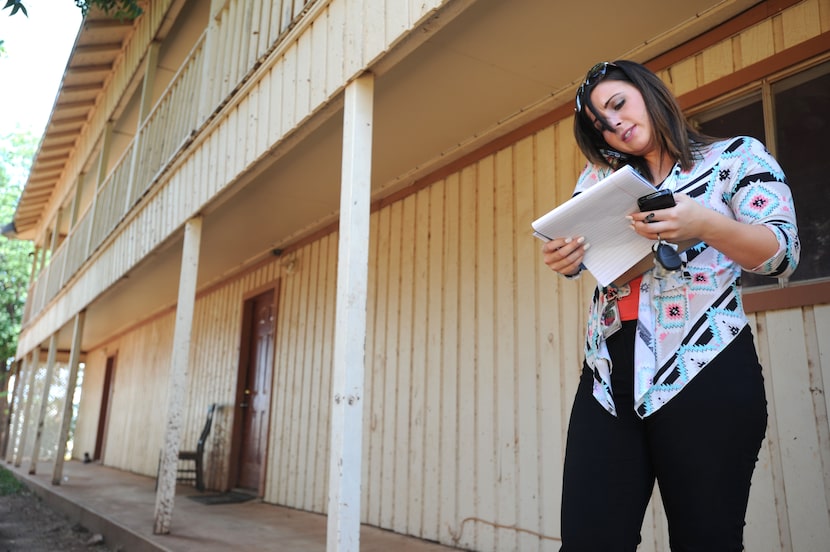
x: 27, y: 524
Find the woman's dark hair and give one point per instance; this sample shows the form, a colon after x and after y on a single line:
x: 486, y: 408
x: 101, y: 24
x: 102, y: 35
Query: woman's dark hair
x: 672, y: 131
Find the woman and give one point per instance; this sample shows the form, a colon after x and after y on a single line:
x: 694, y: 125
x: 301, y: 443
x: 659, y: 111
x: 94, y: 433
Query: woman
x: 673, y: 393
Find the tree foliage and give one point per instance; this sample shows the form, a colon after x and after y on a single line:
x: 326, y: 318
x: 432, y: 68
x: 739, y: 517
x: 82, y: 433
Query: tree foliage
x: 121, y: 9
x: 16, y: 6
x: 16, y: 153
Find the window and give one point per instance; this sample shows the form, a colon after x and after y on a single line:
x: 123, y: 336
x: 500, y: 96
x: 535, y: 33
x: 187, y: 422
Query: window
x: 795, y: 130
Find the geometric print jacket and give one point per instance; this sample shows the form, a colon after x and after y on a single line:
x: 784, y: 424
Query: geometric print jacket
x: 687, y: 317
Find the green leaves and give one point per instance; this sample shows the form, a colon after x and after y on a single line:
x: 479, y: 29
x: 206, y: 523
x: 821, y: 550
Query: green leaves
x: 16, y: 6
x: 121, y: 9
x: 16, y: 152
x: 9, y: 483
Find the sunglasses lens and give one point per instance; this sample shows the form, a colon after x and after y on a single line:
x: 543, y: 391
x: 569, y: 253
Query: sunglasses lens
x: 594, y: 74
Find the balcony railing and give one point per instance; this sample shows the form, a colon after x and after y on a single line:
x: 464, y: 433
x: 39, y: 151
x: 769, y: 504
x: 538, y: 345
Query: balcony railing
x: 245, y: 31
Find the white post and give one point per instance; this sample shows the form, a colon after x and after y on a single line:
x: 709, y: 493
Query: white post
x: 27, y: 410
x: 19, y: 384
x: 343, y: 531
x: 66, y: 421
x: 7, y: 402
x: 44, y: 403
x: 166, y: 492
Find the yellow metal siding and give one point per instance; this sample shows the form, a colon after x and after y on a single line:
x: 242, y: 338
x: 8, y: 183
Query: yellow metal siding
x: 786, y: 29
x: 789, y: 342
x: 136, y: 421
x: 755, y: 44
x: 298, y: 461
x: 90, y: 405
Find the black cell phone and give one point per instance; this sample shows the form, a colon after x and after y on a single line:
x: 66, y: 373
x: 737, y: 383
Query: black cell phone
x: 661, y: 199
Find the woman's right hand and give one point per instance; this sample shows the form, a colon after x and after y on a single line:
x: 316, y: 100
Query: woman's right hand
x: 564, y: 255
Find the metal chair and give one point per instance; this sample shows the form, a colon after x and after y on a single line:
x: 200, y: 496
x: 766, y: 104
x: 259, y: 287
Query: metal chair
x: 194, y: 474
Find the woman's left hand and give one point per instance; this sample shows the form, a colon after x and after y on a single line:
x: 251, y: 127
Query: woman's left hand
x: 747, y: 244
x: 674, y: 224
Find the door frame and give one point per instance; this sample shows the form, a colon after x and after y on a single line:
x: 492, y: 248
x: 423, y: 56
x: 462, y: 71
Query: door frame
x: 241, y: 373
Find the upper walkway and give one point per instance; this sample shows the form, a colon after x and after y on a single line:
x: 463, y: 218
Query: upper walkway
x: 120, y: 505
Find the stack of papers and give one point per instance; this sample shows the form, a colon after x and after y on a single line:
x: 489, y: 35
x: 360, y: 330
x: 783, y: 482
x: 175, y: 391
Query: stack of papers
x: 599, y: 214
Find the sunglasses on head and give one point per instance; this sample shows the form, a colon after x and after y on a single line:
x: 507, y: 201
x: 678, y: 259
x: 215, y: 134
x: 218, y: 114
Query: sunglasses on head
x: 594, y: 75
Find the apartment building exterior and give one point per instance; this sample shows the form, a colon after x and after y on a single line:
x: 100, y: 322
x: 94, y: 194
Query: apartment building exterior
x: 219, y: 180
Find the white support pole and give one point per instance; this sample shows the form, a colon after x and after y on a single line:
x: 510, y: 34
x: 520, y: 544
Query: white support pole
x: 27, y: 410
x: 7, y: 402
x: 14, y: 427
x: 343, y: 531
x: 66, y: 421
x: 166, y: 492
x: 44, y: 402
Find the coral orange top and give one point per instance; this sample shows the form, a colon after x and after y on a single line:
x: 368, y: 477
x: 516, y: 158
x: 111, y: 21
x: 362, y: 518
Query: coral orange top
x: 629, y: 304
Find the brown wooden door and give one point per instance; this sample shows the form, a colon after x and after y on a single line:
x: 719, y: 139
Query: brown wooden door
x: 255, y: 389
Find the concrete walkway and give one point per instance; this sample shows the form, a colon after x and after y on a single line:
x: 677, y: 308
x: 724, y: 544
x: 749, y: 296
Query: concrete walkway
x: 120, y: 506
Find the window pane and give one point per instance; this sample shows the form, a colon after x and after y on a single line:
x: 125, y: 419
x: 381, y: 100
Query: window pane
x: 802, y: 129
x: 742, y: 118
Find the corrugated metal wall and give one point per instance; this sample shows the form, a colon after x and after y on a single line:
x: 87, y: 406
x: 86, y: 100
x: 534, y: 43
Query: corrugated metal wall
x: 297, y: 468
x: 137, y: 407
x: 791, y: 488
x: 86, y: 424
x: 472, y: 348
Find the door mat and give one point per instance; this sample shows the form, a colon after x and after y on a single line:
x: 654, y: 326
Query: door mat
x: 230, y: 497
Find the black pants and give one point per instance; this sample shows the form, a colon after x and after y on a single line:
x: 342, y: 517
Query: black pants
x: 701, y: 447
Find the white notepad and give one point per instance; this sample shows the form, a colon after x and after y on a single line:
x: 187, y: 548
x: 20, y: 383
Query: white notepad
x: 599, y: 213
